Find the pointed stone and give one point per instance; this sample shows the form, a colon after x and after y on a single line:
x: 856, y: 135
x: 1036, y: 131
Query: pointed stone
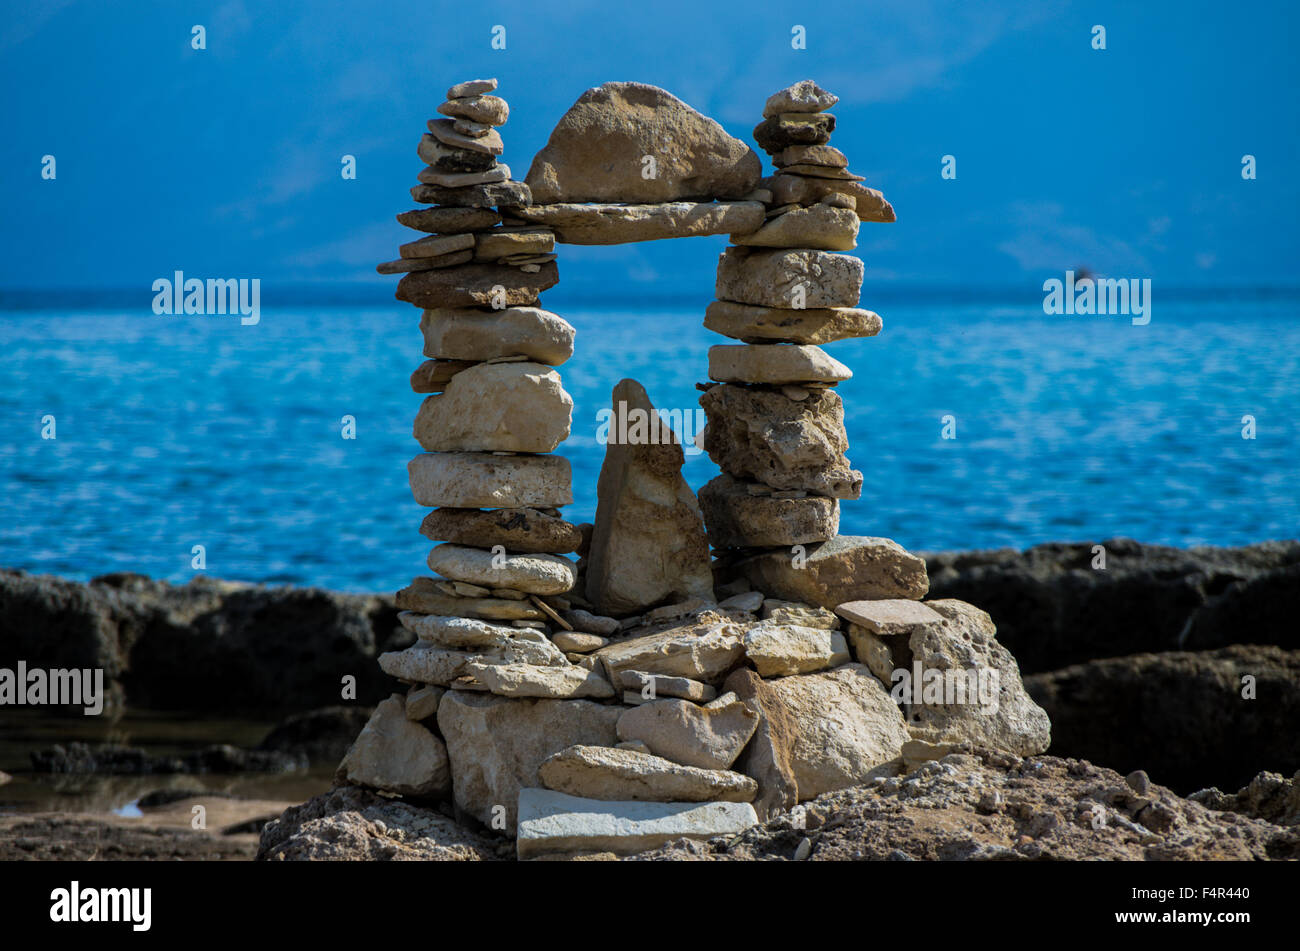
x: 649, y: 546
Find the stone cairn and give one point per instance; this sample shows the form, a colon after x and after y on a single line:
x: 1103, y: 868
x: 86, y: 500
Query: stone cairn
x: 646, y: 693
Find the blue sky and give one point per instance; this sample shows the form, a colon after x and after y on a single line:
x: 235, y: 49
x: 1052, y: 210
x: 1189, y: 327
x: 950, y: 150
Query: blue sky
x: 225, y: 162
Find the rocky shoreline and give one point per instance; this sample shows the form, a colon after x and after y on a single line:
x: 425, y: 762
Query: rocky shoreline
x: 1156, y: 638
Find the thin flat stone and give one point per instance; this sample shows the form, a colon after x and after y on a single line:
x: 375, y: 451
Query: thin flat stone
x: 433, y: 176
x: 473, y: 196
x: 515, y: 529
x: 774, y: 363
x: 424, y: 597
x: 889, y: 617
x: 436, y: 244
x: 446, y: 158
x: 443, y: 130
x: 528, y: 680
x: 554, y: 822
x: 535, y: 573
x: 483, y: 109
x: 449, y: 220
x: 432, y: 376
x: 409, y: 265
x: 476, y: 285
x: 620, y: 224
x: 602, y: 772
x: 472, y: 87
x: 816, y: 325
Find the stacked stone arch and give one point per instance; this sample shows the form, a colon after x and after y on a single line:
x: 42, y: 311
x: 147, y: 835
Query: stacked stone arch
x: 676, y: 663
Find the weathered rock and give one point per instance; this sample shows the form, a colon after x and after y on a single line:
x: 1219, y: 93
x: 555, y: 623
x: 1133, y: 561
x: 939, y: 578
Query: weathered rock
x: 432, y: 376
x: 483, y: 480
x: 423, y: 596
x: 472, y: 334
x: 803, y: 96
x: 819, y: 226
x: 436, y: 244
x: 435, y: 176
x: 619, y: 224
x: 1054, y: 608
x: 846, y: 568
x: 869, y: 203
x: 472, y: 196
x: 354, y: 824
x: 649, y: 545
x: 1182, y: 716
x: 533, y: 573
x: 766, y: 757
x: 655, y: 686
x: 822, y: 171
x: 475, y: 285
x: 795, y: 612
x: 979, y: 697
x: 425, y: 664
x: 398, y: 755
x: 783, y: 443
x: 774, y: 363
x: 598, y: 772
x: 889, y: 617
x: 556, y: 823
x: 777, y: 132
x: 788, y: 278
x: 449, y: 220
x: 781, y: 650
x: 589, y: 623
x: 422, y: 701
x: 516, y: 529
x: 533, y: 680
x: 510, y: 407
x: 529, y: 242
x: 447, y: 158
x: 472, y: 87
x: 596, y: 151
x: 1269, y: 796
x: 578, y: 642
x: 826, y: 155
x: 845, y: 724
x: 709, y: 737
x: 407, y: 265
x: 737, y: 519
x: 748, y: 601
x: 462, y: 633
x: 445, y: 132
x: 480, y: 108
x: 702, y: 650
x: 496, y: 745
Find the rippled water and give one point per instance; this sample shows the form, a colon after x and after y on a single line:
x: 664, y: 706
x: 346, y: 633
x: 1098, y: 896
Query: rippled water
x: 174, y: 432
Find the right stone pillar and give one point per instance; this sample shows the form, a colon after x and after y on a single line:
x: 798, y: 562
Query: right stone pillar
x: 775, y: 425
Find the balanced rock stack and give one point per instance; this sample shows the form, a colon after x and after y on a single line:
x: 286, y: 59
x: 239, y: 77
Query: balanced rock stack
x: 654, y: 695
x: 775, y: 422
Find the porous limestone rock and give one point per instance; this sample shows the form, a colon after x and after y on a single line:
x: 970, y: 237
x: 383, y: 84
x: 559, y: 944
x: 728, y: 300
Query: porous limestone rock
x: 496, y: 744
x: 783, y: 443
x: 736, y: 518
x: 845, y: 725
x: 704, y: 650
x: 780, y: 650
x: 818, y: 226
x: 484, y: 480
x: 449, y: 220
x: 998, y: 712
x: 532, y: 680
x: 649, y: 686
x: 598, y: 772
x: 596, y: 152
x: 795, y: 612
x: 710, y: 737
x: 846, y: 568
x: 426, y: 664
x: 889, y: 617
x: 787, y: 278
x: 784, y: 325
x: 474, y: 334
x: 767, y: 757
x: 497, y: 407
x: 432, y: 376
x: 620, y: 224
x: 533, y: 573
x: 774, y: 363
x: 556, y: 823
x: 397, y: 755
x: 424, y: 596
x: 803, y: 96
x: 463, y: 633
x: 516, y: 529
x: 649, y: 545
x: 476, y: 285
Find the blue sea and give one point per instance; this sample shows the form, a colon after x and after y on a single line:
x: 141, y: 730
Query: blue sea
x: 173, y: 432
